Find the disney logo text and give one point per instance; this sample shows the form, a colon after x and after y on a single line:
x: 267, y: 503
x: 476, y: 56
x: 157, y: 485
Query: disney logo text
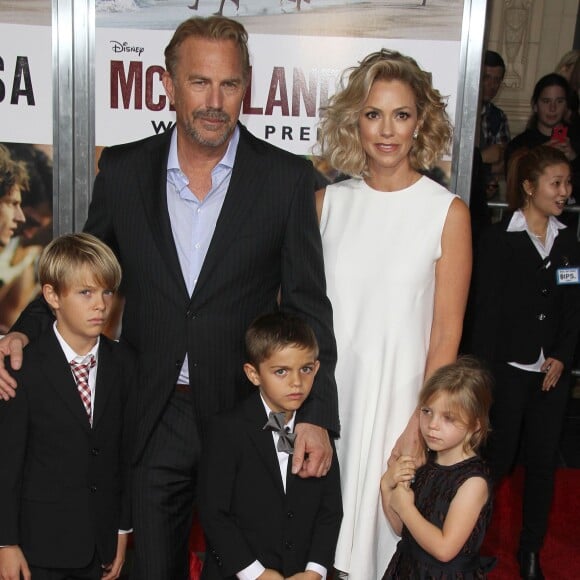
x: 125, y: 47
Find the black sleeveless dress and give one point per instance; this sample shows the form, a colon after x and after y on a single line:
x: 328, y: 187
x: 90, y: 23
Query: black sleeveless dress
x: 435, y: 487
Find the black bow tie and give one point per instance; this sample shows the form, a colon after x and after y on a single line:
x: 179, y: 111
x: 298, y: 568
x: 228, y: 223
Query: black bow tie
x: 286, y: 439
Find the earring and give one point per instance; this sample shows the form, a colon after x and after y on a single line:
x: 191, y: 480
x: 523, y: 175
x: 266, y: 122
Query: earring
x: 415, y: 133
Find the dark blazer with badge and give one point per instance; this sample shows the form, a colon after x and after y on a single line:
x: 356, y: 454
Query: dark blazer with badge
x: 244, y: 511
x: 62, y: 483
x: 266, y: 243
x: 519, y: 306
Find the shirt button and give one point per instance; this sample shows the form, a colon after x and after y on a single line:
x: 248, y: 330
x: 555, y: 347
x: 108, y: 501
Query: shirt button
x: 290, y: 515
x: 93, y: 489
x: 541, y: 316
x: 289, y: 545
x: 197, y: 246
x: 95, y: 451
x: 544, y: 291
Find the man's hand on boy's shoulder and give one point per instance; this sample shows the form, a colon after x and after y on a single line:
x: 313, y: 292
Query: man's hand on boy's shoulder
x: 13, y: 564
x: 312, y: 451
x: 12, y: 345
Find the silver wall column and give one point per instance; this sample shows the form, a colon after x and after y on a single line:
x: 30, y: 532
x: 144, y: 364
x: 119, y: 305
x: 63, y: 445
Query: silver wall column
x: 73, y: 41
x: 466, y: 115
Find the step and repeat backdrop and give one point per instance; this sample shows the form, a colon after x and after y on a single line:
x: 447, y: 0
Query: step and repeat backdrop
x: 298, y: 50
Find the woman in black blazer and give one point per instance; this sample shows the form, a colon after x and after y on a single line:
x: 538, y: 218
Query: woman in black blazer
x: 527, y: 319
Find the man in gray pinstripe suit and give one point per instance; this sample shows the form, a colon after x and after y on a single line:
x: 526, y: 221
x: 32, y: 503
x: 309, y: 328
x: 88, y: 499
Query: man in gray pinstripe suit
x: 211, y: 226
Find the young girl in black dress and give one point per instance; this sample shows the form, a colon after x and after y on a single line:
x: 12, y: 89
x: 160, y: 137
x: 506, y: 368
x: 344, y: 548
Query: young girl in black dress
x: 442, y: 509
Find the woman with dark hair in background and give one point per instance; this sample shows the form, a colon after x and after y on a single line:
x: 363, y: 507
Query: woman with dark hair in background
x: 550, y: 102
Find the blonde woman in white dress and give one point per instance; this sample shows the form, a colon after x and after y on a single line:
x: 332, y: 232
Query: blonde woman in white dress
x: 397, y: 252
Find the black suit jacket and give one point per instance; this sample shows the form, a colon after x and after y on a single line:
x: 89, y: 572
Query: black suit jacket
x: 266, y: 239
x: 519, y: 307
x: 244, y: 511
x: 62, y: 483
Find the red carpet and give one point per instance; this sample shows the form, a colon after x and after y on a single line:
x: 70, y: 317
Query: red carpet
x: 560, y: 556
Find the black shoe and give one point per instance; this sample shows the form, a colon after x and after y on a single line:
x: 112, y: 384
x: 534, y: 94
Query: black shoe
x: 530, y: 565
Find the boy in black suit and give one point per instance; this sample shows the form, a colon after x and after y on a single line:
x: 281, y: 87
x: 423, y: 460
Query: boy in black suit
x: 62, y: 482
x: 259, y: 519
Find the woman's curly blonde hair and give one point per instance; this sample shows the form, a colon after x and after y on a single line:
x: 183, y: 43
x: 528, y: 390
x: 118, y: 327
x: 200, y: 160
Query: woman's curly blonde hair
x: 339, y: 140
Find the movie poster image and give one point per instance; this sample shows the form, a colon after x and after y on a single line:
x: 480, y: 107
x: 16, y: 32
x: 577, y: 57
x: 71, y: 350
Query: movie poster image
x: 26, y: 151
x: 25, y: 223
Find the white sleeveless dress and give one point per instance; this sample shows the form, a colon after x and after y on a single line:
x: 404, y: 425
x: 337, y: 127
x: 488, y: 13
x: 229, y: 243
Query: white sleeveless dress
x: 380, y: 250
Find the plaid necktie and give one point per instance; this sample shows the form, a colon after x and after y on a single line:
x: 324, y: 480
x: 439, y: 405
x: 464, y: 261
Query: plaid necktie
x: 81, y: 374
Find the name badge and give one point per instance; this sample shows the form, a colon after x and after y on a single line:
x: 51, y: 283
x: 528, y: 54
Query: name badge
x: 568, y: 276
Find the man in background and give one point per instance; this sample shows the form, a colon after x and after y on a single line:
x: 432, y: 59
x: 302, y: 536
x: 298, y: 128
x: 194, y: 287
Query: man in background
x: 494, y: 132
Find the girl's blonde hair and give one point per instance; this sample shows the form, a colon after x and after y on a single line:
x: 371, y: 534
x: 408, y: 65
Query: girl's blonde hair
x: 339, y: 141
x: 468, y: 385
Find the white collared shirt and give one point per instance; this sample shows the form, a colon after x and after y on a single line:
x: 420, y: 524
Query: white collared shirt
x: 518, y: 223
x: 193, y: 221
x: 282, y: 455
x: 255, y: 569
x: 71, y: 355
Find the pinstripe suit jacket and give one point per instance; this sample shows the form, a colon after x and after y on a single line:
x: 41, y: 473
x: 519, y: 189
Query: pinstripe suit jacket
x: 266, y: 238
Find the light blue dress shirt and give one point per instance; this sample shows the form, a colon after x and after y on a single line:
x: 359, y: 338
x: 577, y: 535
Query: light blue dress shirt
x: 193, y: 221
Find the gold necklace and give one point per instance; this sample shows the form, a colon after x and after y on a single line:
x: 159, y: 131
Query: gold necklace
x: 543, y: 235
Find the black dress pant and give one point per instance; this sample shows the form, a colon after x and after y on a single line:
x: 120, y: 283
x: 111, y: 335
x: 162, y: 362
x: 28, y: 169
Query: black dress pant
x: 93, y: 571
x: 163, y: 494
x: 523, y: 414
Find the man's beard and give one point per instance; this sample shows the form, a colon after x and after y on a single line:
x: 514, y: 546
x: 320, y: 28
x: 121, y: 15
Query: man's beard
x: 219, y: 138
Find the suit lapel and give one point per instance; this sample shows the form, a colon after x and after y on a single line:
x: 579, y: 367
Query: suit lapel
x: 255, y: 418
x: 105, y: 381
x: 245, y: 186
x: 290, y: 478
x: 523, y: 246
x: 60, y: 378
x: 561, y: 252
x: 526, y: 252
x: 153, y: 187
